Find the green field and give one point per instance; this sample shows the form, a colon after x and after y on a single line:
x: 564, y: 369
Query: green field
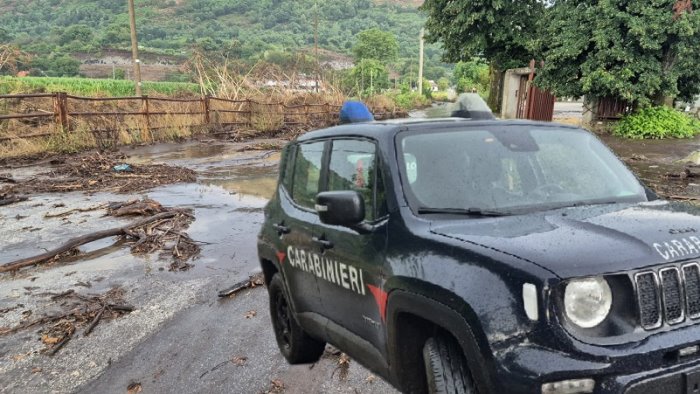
x: 93, y: 87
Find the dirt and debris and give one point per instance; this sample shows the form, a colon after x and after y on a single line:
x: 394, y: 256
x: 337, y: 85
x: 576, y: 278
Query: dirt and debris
x: 6, y: 198
x: 92, y: 172
x: 68, y: 312
x: 250, y: 283
x: 276, y: 387
x: 162, y: 229
x: 262, y: 146
x: 134, y: 388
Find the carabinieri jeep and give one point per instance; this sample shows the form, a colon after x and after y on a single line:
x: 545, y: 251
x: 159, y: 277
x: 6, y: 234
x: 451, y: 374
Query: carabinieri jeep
x: 473, y: 256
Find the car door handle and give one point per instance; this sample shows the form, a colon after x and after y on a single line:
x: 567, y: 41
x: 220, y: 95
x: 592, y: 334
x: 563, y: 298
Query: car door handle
x: 281, y: 228
x: 324, y: 243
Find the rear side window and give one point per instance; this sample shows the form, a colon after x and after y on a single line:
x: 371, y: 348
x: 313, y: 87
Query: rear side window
x: 307, y: 173
x: 287, y: 167
x: 353, y: 167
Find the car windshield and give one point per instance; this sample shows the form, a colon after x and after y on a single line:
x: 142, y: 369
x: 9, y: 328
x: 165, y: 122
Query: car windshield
x: 510, y: 168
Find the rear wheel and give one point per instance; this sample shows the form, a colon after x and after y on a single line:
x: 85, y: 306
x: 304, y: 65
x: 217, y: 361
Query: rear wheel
x: 294, y: 343
x: 446, y: 368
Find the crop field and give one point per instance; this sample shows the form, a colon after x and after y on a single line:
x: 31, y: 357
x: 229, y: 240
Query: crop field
x: 93, y: 87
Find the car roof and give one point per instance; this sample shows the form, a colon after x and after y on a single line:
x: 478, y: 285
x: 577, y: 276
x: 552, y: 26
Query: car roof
x: 393, y: 126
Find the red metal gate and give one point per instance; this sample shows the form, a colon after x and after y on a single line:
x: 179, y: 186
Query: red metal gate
x: 533, y: 102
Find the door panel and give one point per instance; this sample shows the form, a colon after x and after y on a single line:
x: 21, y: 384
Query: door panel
x: 296, y: 223
x: 351, y: 270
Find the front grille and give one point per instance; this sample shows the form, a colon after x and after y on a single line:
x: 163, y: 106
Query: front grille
x: 672, y: 296
x: 691, y: 276
x: 648, y: 298
x: 668, y: 296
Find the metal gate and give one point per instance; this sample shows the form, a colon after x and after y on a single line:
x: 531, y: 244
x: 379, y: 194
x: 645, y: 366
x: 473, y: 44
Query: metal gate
x: 533, y: 102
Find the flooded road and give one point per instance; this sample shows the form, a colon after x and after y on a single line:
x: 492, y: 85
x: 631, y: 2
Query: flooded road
x: 181, y: 336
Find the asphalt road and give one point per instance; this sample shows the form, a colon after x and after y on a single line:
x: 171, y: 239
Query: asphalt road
x: 193, y: 353
x: 182, y: 337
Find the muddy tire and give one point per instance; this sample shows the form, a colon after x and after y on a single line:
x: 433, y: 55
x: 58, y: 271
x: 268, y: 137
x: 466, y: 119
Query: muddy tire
x: 295, y: 344
x: 446, y: 368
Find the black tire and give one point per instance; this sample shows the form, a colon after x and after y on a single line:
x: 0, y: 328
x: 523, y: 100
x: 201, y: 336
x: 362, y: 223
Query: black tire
x: 294, y: 343
x: 446, y: 368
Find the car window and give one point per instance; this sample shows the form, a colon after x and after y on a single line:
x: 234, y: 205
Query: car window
x: 287, y: 167
x: 307, y: 173
x: 512, y: 167
x: 353, y: 167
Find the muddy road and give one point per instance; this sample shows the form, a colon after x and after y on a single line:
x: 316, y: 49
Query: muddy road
x: 180, y: 335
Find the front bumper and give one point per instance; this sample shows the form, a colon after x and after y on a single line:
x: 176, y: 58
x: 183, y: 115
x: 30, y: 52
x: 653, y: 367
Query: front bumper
x: 524, y: 367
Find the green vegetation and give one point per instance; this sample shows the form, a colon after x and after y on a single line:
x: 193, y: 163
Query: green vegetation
x: 502, y: 32
x: 645, y: 52
x: 409, y: 100
x: 92, y: 87
x: 377, y: 45
x: 471, y: 75
x: 242, y: 30
x: 656, y: 123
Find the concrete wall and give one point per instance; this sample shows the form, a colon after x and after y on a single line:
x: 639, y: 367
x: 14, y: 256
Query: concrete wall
x: 511, y: 87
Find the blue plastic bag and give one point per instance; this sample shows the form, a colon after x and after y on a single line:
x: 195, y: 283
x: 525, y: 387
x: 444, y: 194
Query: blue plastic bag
x: 122, y: 168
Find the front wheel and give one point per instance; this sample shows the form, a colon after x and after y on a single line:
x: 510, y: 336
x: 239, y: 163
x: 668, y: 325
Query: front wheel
x: 294, y: 343
x: 446, y: 368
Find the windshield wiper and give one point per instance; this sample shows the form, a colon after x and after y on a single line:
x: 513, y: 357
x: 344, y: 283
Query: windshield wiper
x: 462, y: 211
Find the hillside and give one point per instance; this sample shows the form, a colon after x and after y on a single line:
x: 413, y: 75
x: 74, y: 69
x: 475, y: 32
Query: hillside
x: 243, y: 29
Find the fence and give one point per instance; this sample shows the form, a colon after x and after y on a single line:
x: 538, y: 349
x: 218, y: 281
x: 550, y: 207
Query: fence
x: 45, y: 114
x: 610, y: 108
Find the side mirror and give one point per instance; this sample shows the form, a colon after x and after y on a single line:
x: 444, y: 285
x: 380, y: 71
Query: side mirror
x: 341, y: 208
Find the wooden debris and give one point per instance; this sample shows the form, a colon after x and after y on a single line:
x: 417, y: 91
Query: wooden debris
x: 79, y: 241
x: 72, y: 211
x: 252, y: 282
x: 147, y: 235
x: 7, y: 200
x: 79, y: 310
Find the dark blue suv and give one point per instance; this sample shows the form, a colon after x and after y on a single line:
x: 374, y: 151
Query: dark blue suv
x: 465, y: 256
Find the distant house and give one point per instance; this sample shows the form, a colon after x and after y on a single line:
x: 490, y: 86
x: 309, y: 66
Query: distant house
x: 302, y: 84
x: 433, y: 86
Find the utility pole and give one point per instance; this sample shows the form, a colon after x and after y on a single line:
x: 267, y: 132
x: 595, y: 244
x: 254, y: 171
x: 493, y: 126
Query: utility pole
x: 420, y: 62
x: 318, y: 64
x: 135, y: 48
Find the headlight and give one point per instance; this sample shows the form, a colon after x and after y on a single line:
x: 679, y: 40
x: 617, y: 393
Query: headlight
x: 587, y: 301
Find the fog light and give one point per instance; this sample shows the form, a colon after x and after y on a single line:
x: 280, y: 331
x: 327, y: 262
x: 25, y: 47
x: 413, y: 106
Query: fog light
x: 688, y: 351
x: 572, y: 386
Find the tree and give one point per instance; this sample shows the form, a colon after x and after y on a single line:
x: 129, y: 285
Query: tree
x: 10, y: 58
x: 369, y: 77
x: 641, y: 51
x: 443, y: 84
x: 377, y: 45
x: 501, y: 31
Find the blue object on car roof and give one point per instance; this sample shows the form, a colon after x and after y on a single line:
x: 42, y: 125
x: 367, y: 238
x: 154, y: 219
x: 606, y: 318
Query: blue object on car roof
x: 355, y: 112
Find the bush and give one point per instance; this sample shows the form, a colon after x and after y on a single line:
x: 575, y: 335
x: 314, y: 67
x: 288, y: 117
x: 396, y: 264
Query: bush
x: 441, y: 96
x: 410, y: 100
x: 657, y: 123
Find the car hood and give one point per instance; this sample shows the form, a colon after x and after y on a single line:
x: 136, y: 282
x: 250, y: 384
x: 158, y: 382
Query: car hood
x: 590, y: 240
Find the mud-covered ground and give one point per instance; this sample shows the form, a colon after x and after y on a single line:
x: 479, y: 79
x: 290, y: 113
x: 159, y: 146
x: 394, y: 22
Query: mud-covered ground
x: 162, y: 330
x: 179, y: 336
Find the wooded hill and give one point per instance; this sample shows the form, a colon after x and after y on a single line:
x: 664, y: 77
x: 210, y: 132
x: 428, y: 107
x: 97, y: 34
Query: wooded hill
x: 239, y: 29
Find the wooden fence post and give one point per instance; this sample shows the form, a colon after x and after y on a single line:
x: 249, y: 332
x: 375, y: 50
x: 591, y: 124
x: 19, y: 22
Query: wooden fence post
x: 60, y: 109
x: 250, y: 113
x: 205, y: 108
x: 146, y: 109
x: 306, y: 114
